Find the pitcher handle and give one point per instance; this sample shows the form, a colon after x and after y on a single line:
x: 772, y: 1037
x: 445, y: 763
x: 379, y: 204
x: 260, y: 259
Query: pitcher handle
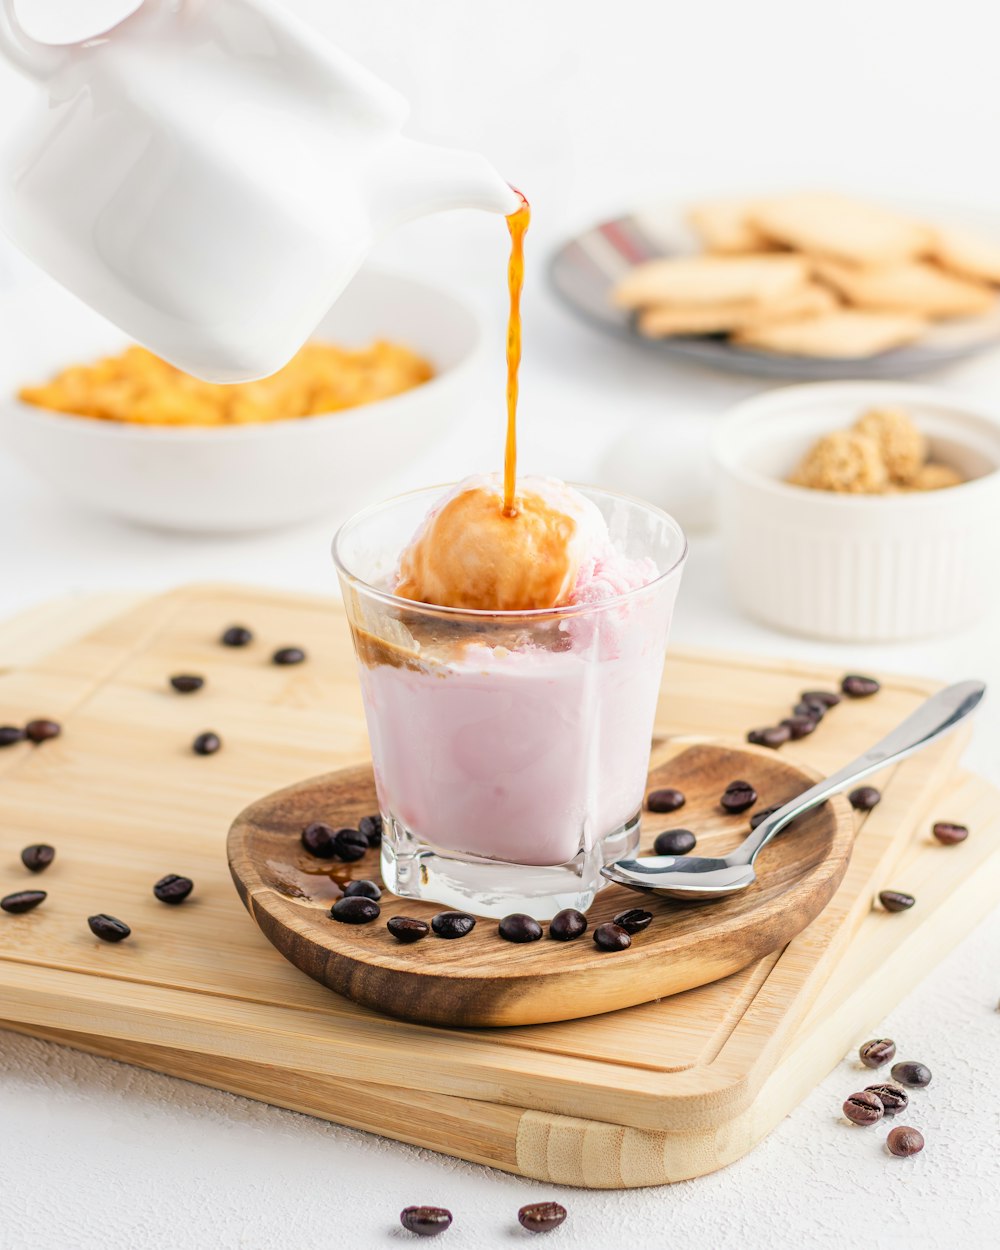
x: 37, y: 60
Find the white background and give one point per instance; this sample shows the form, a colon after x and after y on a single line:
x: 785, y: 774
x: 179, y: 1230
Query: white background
x: 590, y: 107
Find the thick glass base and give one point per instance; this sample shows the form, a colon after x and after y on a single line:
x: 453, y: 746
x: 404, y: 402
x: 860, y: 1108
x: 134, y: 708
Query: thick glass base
x: 413, y: 868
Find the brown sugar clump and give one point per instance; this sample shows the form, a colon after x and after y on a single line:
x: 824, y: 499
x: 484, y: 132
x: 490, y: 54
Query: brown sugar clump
x: 903, y: 448
x: 843, y: 461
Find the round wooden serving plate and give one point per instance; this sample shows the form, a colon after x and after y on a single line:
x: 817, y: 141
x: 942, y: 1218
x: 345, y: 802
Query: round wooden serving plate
x: 483, y: 980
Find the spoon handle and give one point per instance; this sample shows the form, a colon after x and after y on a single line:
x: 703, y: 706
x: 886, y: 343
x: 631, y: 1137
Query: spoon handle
x: 935, y: 717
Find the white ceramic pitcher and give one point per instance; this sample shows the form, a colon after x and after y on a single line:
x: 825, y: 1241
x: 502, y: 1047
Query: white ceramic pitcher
x: 210, y: 174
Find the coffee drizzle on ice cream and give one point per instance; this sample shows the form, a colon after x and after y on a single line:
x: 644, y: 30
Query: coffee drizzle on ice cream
x: 517, y: 224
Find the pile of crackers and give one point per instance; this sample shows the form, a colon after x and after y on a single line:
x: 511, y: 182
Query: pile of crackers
x: 813, y: 274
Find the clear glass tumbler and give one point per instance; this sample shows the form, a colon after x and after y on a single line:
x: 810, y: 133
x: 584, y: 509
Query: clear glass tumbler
x: 510, y: 749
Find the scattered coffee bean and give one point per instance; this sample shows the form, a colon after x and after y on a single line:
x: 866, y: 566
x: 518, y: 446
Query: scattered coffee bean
x: 452, y: 924
x: 22, y: 901
x: 206, y: 744
x: 9, y: 734
x: 425, y: 1221
x: 949, y: 834
x: 350, y: 844
x: 541, y: 1217
x: 864, y: 798
x: 895, y: 900
x: 355, y: 909
x: 38, y: 856
x: 864, y: 1108
x: 371, y: 827
x: 567, y: 925
x: 173, y: 889
x: 674, y: 842
x: 187, y: 683
x: 318, y: 839
x: 236, y: 636
x: 800, y: 726
x: 634, y: 920
x: 362, y: 889
x: 758, y: 818
x: 407, y: 929
x: 108, y: 928
x: 773, y: 736
x: 611, y: 937
x: 903, y: 1141
x: 828, y: 698
x: 288, y: 655
x: 518, y: 927
x: 894, y: 1099
x: 915, y: 1075
x: 666, y: 800
x: 42, y: 730
x: 814, y: 711
x: 738, y: 796
x: 858, y: 687
x: 878, y: 1052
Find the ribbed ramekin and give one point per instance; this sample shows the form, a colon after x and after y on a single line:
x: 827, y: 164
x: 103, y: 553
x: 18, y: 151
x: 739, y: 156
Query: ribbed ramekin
x: 853, y: 567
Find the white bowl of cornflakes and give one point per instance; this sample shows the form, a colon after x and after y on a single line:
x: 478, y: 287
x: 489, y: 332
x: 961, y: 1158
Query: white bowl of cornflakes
x: 387, y: 375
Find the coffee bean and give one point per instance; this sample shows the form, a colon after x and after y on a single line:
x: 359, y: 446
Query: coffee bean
x: 815, y: 711
x: 864, y: 798
x: 903, y: 1141
x: 425, y: 1221
x: 108, y: 928
x: 674, y: 842
x: 452, y: 924
x: 38, y: 856
x: 355, y: 909
x: 895, y: 900
x: 864, y: 1108
x: 9, y: 734
x: 288, y: 655
x: 567, y: 925
x: 949, y: 834
x: 318, y: 838
x: 858, y: 687
x: 22, y: 901
x: 206, y: 744
x: 42, y: 730
x: 634, y: 920
x: 518, y: 927
x: 666, y: 800
x: 877, y: 1053
x: 611, y: 937
x: 893, y: 1098
x: 773, y: 736
x: 350, y: 844
x: 541, y: 1217
x: 187, y: 683
x: 739, y: 796
x: 362, y: 889
x: 371, y: 827
x: 800, y: 726
x: 758, y: 818
x: 236, y: 636
x: 173, y: 889
x: 915, y: 1075
x: 828, y: 698
x: 407, y: 929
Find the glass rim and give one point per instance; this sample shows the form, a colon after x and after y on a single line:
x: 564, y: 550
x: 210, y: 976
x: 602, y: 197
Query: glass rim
x: 390, y: 599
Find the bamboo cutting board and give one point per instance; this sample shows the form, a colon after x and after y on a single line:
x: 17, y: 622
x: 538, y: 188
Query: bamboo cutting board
x: 125, y: 801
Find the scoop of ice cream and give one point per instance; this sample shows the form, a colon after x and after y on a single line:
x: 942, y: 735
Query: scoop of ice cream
x: 843, y: 461
x: 468, y: 554
x: 902, y: 446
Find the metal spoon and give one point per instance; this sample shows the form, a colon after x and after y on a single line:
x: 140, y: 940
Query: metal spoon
x: 698, y: 876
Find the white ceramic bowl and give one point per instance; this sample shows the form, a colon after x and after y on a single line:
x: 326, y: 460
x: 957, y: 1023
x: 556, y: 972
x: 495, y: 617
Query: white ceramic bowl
x: 257, y: 477
x: 849, y: 567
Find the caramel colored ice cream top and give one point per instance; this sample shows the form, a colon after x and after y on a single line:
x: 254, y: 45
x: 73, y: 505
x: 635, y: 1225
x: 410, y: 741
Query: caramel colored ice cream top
x: 468, y: 554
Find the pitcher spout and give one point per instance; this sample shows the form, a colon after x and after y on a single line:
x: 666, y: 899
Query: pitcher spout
x: 408, y: 179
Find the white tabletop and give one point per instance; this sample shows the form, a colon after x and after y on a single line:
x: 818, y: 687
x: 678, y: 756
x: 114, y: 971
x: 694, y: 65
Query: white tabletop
x: 609, y: 106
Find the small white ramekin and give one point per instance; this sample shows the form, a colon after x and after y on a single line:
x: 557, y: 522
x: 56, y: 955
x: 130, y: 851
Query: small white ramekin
x: 857, y: 568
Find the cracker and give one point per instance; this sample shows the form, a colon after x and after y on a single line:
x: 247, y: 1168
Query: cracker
x: 663, y: 320
x: 967, y: 253
x: 914, y: 286
x: 724, y: 226
x: 823, y: 224
x: 700, y: 281
x: 847, y: 334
